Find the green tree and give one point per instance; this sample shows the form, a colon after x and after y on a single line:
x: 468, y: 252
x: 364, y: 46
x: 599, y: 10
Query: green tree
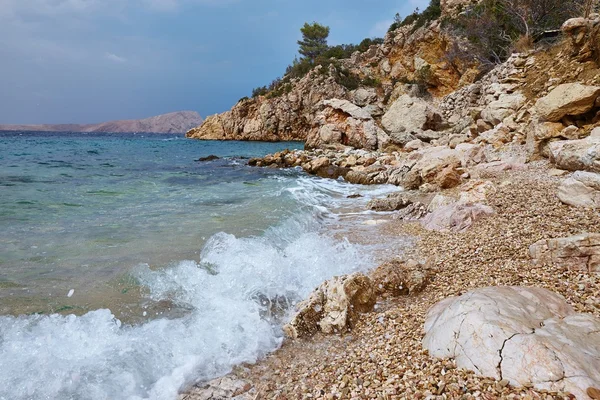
x: 314, y: 40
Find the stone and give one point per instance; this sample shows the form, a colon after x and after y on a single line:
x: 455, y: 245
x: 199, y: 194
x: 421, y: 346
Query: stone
x: 576, y: 155
x: 400, y: 278
x: 456, y: 217
x: 333, y: 307
x: 566, y: 99
x: 499, y: 109
x: 414, y: 145
x: 363, y: 97
x: 526, y: 335
x: 226, y: 387
x: 574, y: 24
x: 582, y: 189
x: 393, y: 202
x: 580, y: 252
x: 347, y: 107
x: 409, y: 114
x: 476, y: 191
x: 448, y: 177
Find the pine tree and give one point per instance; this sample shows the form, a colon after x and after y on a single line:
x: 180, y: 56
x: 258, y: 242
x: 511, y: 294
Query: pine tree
x: 314, y: 40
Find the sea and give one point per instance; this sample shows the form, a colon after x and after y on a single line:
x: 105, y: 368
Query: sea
x: 131, y: 270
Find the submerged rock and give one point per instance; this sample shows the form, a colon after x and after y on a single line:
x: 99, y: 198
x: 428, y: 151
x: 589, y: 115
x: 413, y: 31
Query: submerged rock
x: 524, y: 335
x: 333, y: 307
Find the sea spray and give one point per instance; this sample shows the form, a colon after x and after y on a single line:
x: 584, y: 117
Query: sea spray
x: 226, y: 314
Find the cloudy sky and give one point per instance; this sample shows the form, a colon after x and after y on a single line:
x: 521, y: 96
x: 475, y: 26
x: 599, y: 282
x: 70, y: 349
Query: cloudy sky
x: 85, y: 61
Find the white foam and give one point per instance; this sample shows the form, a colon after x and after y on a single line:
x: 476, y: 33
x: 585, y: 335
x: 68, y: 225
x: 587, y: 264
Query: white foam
x: 229, y: 320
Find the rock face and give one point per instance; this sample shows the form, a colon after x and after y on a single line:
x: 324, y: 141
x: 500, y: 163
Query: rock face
x: 342, y: 122
x: 567, y: 99
x: 177, y: 122
x: 333, y: 306
x: 581, y: 190
x: 581, y: 252
x: 410, y: 115
x: 289, y: 116
x: 523, y: 335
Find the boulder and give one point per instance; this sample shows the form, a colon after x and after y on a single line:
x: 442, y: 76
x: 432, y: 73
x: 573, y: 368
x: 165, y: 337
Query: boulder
x: 400, y: 278
x: 333, y: 307
x: 582, y: 189
x: 456, y: 217
x: 576, y: 155
x: 580, y: 252
x: 409, y: 114
x: 506, y: 105
x: 567, y: 99
x: 526, y: 335
x: 363, y: 97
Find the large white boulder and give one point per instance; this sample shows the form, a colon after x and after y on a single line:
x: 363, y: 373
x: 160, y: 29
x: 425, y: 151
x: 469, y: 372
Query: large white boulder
x: 567, y: 99
x: 524, y: 335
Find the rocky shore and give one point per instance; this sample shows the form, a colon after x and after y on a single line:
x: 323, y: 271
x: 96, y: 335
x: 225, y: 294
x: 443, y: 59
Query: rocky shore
x: 499, y: 186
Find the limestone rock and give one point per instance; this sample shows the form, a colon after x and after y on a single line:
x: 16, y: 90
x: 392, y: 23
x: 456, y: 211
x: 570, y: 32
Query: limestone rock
x: 580, y: 252
x: 581, y: 190
x: 575, y: 155
x: 392, y: 202
x: 499, y: 109
x: 456, y: 217
x: 333, y: 307
x: 409, y: 114
x: 344, y: 123
x: 567, y: 99
x: 523, y: 335
x: 400, y: 278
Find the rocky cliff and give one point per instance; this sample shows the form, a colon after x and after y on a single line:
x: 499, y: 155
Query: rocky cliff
x: 176, y: 122
x: 409, y: 61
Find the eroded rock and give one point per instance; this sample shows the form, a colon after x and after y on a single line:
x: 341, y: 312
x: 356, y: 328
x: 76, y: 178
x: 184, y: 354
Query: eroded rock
x: 333, y: 307
x: 401, y: 278
x: 576, y: 155
x: 580, y: 252
x: 523, y: 335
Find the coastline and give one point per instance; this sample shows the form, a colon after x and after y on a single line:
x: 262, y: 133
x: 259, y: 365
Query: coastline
x: 382, y: 357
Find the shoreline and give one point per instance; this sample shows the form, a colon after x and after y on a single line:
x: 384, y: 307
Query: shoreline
x: 383, y: 356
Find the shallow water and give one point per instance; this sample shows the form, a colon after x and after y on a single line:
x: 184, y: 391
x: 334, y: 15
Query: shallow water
x: 177, y: 270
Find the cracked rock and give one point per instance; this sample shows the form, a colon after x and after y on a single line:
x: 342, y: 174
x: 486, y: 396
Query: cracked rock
x: 521, y: 334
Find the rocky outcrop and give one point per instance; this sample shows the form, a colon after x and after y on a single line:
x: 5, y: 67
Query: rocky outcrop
x: 582, y: 189
x: 581, y: 252
x: 409, y: 116
x: 289, y: 116
x: 332, y: 307
x: 342, y: 122
x: 526, y: 336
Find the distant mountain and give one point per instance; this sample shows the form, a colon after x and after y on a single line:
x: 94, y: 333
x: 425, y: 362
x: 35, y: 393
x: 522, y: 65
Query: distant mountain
x: 176, y: 122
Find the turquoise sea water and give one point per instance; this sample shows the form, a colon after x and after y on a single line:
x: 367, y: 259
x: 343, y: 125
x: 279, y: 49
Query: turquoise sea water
x: 129, y: 270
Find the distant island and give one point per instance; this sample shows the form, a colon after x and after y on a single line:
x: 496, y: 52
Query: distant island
x: 176, y: 122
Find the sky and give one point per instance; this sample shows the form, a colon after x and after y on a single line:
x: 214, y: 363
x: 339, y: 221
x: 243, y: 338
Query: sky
x: 88, y: 61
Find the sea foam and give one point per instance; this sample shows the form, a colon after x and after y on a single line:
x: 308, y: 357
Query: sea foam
x: 235, y: 299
